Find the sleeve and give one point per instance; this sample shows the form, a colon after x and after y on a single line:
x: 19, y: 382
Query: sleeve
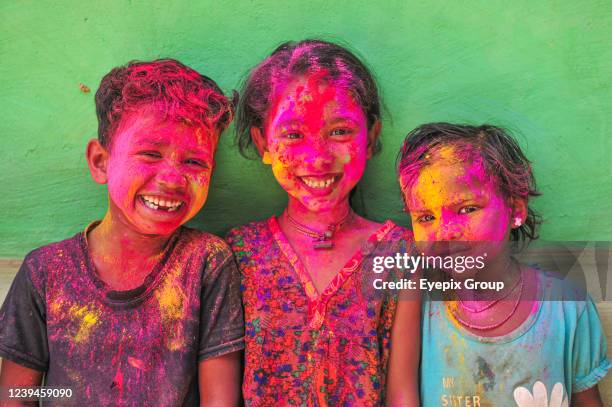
x: 589, y: 353
x: 23, y: 329
x: 221, y: 313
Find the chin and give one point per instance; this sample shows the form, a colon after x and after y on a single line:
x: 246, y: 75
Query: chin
x: 316, y: 204
x: 157, y: 229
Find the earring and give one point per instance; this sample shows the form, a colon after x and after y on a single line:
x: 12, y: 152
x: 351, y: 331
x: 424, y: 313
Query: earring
x: 518, y: 222
x: 266, y: 158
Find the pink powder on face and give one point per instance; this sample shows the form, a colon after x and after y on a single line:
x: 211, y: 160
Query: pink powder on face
x: 164, y: 160
x: 316, y: 132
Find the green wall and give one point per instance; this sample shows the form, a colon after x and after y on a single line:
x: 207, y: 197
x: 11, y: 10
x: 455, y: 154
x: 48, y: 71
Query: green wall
x: 541, y: 69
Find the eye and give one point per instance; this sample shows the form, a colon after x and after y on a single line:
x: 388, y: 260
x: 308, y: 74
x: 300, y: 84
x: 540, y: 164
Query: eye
x: 293, y: 135
x: 425, y: 218
x: 151, y: 154
x: 341, y: 131
x: 468, y: 209
x: 196, y: 162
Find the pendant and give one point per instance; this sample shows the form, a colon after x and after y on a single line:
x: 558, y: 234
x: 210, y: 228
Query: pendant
x: 324, y: 242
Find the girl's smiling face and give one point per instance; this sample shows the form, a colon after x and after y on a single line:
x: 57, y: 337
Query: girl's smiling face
x: 317, y: 141
x: 158, y: 172
x: 454, y: 200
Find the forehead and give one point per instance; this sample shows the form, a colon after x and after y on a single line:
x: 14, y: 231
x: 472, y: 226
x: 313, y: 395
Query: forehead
x: 146, y: 126
x: 450, y: 176
x: 312, y: 97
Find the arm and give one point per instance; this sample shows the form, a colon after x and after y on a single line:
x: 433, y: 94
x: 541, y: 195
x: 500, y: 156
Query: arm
x: 221, y: 333
x: 15, y: 375
x: 588, y: 357
x: 219, y: 380
x: 587, y: 398
x: 403, y: 374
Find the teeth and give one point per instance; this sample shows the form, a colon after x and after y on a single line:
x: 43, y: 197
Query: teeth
x: 318, y: 183
x: 150, y: 204
x: 154, y: 203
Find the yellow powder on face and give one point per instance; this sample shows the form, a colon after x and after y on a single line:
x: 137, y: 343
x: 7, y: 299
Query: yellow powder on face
x: 278, y: 166
x: 87, y: 318
x: 131, y: 192
x: 429, y: 188
x: 346, y: 158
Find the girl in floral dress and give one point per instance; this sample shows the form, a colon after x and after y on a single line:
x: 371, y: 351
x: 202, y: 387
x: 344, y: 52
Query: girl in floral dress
x: 316, y: 335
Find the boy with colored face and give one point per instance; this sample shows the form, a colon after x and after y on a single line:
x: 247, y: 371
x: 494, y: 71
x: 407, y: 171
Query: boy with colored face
x: 137, y: 309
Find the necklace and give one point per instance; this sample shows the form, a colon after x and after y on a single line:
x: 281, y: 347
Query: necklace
x: 497, y: 324
x: 321, y: 240
x: 493, y: 302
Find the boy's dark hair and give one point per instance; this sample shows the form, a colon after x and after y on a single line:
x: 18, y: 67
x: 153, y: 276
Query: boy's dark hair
x: 501, y: 155
x: 292, y: 59
x: 171, y: 88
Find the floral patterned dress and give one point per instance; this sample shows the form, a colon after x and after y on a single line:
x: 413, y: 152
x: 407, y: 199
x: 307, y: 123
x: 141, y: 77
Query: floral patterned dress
x: 309, y: 349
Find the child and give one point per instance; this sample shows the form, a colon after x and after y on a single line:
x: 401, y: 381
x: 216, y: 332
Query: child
x: 533, y: 341
x: 313, y: 337
x: 137, y: 309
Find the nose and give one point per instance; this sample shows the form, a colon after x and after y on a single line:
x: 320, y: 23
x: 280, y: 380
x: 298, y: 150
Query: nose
x: 170, y: 176
x: 449, y: 230
x: 318, y: 153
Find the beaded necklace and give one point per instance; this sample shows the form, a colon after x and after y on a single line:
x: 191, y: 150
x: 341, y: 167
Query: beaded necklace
x: 496, y: 324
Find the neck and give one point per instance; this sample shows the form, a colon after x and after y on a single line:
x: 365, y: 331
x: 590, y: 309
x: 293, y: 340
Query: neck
x: 112, y: 238
x: 501, y: 269
x: 318, y: 220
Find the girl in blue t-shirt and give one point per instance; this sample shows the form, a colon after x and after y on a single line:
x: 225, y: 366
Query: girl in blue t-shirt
x: 535, y: 341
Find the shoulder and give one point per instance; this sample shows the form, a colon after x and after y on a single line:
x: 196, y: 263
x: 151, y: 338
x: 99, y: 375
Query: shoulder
x: 394, y: 236
x: 401, y: 233
x: 248, y: 234
x: 47, y: 261
x: 210, y: 248
x: 568, y: 298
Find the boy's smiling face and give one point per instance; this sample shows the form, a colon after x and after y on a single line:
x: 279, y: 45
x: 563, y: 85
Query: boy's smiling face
x: 158, y: 172
x: 317, y: 141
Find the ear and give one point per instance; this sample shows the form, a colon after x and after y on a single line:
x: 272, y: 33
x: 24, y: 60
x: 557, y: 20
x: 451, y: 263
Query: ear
x: 519, y: 212
x: 97, y: 160
x: 259, y: 139
x: 373, y: 134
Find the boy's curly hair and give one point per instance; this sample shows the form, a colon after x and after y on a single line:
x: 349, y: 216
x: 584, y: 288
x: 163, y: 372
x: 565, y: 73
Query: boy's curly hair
x: 171, y: 88
x: 501, y: 155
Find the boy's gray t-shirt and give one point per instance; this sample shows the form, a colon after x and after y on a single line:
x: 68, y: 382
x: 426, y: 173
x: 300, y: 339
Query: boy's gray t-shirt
x: 138, y: 347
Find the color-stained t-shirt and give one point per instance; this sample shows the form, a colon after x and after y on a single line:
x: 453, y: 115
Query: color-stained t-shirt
x: 559, y: 350
x: 128, y: 348
x: 305, y: 348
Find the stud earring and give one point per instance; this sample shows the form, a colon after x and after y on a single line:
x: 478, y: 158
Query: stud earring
x: 518, y: 222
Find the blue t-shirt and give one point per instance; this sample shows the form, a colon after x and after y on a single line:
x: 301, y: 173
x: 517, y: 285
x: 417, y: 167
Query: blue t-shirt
x: 559, y: 350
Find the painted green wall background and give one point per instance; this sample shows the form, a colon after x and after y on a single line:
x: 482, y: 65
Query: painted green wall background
x: 541, y: 69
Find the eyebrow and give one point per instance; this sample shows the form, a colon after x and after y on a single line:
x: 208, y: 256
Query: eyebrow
x: 197, y: 153
x: 462, y: 201
x: 162, y: 144
x: 289, y: 122
x: 333, y: 121
x: 154, y: 142
x: 341, y: 119
x: 453, y: 203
